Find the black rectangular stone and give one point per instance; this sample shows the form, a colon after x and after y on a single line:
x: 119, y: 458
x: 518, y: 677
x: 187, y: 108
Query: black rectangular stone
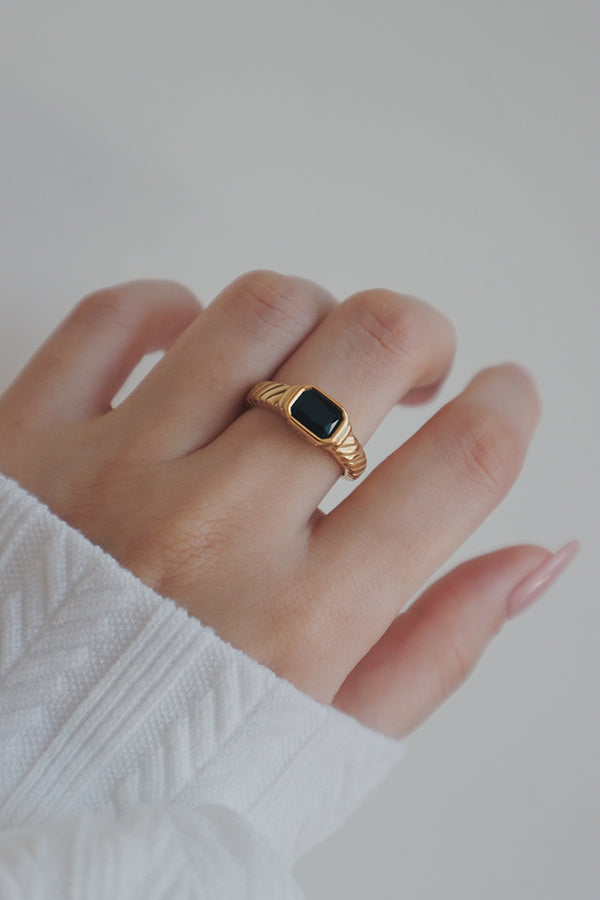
x: 317, y: 413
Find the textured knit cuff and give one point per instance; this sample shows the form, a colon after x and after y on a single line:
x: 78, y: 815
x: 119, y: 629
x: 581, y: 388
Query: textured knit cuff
x: 112, y: 695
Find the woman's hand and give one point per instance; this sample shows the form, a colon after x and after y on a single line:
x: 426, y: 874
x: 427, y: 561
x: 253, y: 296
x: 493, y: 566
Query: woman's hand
x: 216, y: 506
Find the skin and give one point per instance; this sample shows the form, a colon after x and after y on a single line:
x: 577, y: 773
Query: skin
x: 217, y: 506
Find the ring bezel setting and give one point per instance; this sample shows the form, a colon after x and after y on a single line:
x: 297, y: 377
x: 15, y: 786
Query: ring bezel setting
x: 316, y: 413
x: 317, y: 417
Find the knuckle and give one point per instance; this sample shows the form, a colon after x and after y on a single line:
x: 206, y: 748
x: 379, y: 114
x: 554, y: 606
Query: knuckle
x: 484, y: 449
x: 106, y: 306
x: 273, y: 302
x: 454, y: 666
x: 389, y: 323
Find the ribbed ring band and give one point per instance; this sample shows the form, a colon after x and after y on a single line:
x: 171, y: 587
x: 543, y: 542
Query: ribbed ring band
x: 317, y: 417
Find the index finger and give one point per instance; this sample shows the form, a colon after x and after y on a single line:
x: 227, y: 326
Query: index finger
x: 398, y: 526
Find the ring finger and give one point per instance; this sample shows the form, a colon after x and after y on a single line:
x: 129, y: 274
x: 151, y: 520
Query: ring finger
x: 198, y: 388
x: 368, y: 353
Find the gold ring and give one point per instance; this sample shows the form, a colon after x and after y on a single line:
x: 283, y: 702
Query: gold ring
x: 317, y: 417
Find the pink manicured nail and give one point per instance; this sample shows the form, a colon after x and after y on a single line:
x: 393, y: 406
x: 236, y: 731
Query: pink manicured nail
x: 541, y: 578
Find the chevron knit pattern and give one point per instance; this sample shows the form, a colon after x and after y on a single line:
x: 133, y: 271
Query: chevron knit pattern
x: 112, y: 696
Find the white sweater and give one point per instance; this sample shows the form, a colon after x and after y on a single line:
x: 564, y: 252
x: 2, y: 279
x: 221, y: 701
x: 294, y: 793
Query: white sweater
x: 141, y: 756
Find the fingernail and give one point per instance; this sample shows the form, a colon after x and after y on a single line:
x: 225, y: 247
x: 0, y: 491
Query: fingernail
x: 534, y: 585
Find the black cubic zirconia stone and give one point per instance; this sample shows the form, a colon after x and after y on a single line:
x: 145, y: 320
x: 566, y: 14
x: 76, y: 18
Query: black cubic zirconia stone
x: 317, y: 413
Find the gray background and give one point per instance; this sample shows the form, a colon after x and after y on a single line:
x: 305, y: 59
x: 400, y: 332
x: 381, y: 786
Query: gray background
x: 448, y: 150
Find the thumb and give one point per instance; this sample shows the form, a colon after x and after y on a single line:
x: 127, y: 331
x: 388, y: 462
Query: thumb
x: 430, y: 649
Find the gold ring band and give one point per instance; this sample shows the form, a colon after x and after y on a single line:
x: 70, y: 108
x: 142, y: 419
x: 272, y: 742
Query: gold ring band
x: 317, y: 417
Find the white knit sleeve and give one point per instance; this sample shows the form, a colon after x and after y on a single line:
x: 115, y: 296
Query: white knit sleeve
x: 112, y: 697
x: 143, y: 853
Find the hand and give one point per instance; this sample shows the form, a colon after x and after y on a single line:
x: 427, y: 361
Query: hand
x: 216, y: 506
